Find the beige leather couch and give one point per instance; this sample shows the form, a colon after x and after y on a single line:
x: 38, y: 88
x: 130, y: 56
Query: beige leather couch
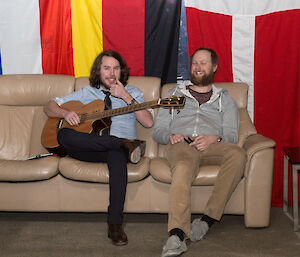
x: 63, y: 184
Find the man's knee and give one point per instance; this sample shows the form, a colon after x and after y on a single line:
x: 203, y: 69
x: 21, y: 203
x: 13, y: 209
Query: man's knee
x: 237, y: 153
x: 183, y: 173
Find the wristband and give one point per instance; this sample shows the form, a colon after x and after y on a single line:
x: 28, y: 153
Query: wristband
x: 132, y: 102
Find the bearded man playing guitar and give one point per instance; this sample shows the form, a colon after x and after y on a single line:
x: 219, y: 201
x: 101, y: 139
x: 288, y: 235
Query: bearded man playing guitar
x: 109, y: 75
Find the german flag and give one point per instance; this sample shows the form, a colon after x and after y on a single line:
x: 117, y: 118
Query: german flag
x: 145, y: 33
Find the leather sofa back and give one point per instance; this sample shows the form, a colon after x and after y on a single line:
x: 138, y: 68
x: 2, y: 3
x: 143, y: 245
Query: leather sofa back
x: 33, y: 89
x: 22, y: 98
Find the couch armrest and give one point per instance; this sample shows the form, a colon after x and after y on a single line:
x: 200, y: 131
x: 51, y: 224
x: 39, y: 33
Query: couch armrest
x: 258, y: 180
x: 253, y: 144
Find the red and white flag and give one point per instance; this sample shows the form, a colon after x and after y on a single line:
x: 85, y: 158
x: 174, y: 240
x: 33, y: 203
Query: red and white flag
x: 258, y: 42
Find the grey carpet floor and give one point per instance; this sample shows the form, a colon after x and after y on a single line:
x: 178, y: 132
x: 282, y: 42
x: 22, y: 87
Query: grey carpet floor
x: 83, y: 234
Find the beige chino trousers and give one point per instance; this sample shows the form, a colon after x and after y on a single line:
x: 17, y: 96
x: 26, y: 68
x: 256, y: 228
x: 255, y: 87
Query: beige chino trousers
x: 184, y: 161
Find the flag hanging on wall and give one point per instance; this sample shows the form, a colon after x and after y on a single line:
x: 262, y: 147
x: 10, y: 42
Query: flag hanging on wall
x: 162, y: 39
x: 257, y: 43
x: 64, y: 37
x: 56, y: 38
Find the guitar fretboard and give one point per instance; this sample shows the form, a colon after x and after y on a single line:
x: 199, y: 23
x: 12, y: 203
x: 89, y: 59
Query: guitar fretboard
x: 118, y: 111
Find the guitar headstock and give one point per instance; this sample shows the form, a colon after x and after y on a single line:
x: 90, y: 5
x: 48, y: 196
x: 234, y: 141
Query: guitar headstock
x: 174, y: 101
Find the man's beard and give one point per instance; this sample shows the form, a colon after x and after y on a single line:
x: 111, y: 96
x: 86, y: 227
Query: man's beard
x: 105, y: 85
x: 203, y: 81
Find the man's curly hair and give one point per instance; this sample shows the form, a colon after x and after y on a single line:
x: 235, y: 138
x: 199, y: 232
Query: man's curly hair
x: 95, y: 79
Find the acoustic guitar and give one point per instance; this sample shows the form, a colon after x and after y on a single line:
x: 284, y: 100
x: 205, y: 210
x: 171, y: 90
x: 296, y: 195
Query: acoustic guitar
x: 94, y: 119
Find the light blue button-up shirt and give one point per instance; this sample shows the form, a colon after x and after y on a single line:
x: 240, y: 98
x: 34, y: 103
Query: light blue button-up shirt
x: 124, y: 125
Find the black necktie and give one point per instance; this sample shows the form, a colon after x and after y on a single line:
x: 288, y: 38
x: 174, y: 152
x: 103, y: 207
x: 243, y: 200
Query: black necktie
x: 107, y: 100
x: 107, y: 106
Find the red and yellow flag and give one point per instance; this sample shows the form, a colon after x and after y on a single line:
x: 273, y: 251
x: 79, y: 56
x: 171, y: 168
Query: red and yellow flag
x: 74, y: 32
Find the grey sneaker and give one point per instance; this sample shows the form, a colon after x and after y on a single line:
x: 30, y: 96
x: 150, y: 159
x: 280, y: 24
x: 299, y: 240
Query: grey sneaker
x: 199, y: 229
x: 173, y: 247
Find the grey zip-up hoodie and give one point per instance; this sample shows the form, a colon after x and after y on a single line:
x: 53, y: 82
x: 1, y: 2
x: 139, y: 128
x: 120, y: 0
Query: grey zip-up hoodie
x: 219, y: 116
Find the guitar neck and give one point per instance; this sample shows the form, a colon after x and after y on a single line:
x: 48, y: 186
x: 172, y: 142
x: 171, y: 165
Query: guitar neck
x: 119, y: 111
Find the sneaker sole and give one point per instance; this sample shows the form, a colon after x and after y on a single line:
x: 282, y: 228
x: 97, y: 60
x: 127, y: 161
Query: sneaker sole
x: 173, y: 254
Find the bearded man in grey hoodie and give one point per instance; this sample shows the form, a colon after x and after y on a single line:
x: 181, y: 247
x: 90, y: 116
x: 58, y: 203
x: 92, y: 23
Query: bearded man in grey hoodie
x: 205, y: 128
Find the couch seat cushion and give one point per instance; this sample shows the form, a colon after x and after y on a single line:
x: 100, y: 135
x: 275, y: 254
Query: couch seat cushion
x: 160, y: 170
x: 29, y: 170
x: 98, y: 172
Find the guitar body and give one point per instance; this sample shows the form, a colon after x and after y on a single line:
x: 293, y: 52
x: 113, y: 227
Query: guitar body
x: 53, y: 125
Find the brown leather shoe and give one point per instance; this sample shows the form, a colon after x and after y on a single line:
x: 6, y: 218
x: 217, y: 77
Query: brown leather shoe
x: 134, y: 149
x: 117, y: 235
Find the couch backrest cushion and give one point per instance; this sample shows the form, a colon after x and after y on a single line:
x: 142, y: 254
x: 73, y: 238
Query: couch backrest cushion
x: 239, y: 93
x: 33, y: 89
x: 22, y: 98
x: 151, y: 89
